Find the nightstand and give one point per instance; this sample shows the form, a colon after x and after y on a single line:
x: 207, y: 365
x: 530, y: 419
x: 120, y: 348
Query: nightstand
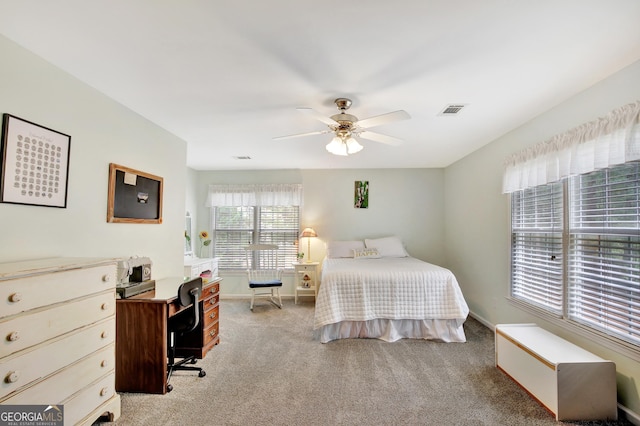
x: 306, y: 279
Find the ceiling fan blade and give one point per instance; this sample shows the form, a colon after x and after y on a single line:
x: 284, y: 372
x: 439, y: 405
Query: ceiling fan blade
x: 378, y: 137
x: 319, y: 132
x: 317, y: 116
x: 384, y: 119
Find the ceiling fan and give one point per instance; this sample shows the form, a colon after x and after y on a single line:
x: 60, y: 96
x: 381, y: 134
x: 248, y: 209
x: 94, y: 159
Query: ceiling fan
x: 345, y: 126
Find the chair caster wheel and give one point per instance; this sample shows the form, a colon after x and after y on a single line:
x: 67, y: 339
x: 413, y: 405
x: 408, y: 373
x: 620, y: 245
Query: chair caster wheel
x: 193, y: 361
x: 169, y: 388
x: 202, y: 373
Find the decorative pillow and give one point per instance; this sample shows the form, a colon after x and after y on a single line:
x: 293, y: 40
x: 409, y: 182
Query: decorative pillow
x: 387, y: 247
x: 366, y: 253
x: 337, y: 249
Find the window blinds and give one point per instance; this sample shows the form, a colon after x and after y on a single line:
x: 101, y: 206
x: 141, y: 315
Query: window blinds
x: 536, y: 266
x: 604, y: 251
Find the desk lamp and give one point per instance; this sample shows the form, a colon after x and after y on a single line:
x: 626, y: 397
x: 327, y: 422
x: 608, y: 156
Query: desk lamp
x: 308, y: 233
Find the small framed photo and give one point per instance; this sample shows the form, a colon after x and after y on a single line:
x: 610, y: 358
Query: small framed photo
x: 361, y: 194
x: 35, y: 164
x: 134, y: 196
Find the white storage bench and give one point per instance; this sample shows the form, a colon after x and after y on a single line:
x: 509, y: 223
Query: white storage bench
x: 571, y: 382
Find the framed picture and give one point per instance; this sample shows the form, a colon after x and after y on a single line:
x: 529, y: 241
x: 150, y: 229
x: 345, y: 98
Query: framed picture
x: 134, y: 196
x: 35, y: 164
x: 361, y: 194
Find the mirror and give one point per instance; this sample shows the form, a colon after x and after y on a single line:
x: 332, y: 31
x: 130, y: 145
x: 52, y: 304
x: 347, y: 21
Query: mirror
x: 188, y: 247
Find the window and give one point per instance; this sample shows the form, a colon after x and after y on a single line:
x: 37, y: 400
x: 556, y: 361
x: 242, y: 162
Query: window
x: 254, y: 214
x: 576, y: 249
x: 536, y: 223
x: 236, y: 227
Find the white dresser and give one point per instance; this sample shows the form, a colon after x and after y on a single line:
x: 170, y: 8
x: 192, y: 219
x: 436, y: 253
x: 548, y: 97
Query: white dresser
x: 194, y: 266
x: 57, y: 326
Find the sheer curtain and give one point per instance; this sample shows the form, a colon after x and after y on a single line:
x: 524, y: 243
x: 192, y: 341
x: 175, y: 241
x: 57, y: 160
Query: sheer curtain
x: 254, y: 195
x: 601, y: 143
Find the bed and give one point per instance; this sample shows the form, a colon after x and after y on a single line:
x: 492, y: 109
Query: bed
x: 374, y: 289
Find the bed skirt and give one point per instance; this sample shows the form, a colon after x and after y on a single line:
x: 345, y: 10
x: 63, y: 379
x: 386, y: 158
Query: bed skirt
x: 391, y: 330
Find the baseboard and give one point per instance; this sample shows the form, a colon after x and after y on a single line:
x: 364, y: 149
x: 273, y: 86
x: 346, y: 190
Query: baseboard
x: 248, y: 296
x: 633, y: 418
x: 482, y: 321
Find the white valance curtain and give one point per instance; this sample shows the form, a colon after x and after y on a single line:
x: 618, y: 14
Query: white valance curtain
x: 254, y: 195
x: 604, y: 142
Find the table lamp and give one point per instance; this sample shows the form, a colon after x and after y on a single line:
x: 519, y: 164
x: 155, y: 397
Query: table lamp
x: 308, y: 233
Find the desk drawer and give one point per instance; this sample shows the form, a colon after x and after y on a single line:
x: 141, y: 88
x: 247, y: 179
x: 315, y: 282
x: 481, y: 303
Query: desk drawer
x: 210, y: 333
x: 22, y: 332
x: 210, y: 316
x: 25, y: 367
x: 211, y: 290
x: 211, y: 302
x: 23, y: 294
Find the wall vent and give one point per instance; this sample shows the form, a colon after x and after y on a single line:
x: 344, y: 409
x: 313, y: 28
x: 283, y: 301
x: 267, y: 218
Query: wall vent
x: 452, y: 109
x: 242, y: 157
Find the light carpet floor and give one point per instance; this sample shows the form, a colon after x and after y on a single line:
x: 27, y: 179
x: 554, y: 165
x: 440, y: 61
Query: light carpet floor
x: 269, y: 370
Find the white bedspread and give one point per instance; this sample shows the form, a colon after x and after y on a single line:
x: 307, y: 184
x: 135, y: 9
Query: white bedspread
x: 390, y: 288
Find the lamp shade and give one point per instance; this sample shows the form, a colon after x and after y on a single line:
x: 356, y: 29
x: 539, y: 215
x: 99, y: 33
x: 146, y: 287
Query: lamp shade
x: 308, y: 232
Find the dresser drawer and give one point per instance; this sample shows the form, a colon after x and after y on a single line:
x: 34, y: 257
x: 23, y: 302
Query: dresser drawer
x: 27, y: 366
x: 21, y: 332
x: 23, y: 294
x: 63, y: 384
x: 82, y: 404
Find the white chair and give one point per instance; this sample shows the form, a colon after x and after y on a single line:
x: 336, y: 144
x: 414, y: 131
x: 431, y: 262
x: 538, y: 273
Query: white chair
x: 265, y: 276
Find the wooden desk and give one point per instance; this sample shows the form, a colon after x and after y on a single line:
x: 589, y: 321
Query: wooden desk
x: 142, y: 335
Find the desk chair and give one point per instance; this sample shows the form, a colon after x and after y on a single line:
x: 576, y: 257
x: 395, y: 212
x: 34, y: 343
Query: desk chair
x: 263, y: 272
x: 182, y: 323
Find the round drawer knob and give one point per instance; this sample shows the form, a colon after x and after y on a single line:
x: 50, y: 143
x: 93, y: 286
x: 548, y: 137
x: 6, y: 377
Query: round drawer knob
x: 15, y: 297
x: 12, y: 377
x: 104, y: 391
x: 104, y: 363
x: 13, y: 336
x: 106, y: 278
x: 212, y: 333
x: 212, y: 315
x: 104, y: 334
x: 104, y: 306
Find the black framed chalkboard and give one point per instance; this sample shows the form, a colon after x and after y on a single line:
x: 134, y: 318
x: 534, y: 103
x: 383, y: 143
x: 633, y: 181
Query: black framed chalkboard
x: 134, y: 196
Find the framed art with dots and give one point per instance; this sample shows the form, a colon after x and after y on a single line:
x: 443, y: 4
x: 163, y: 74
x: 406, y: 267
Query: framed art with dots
x: 35, y: 164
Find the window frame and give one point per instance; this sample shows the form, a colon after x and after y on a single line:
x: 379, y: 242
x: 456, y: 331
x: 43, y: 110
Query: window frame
x: 257, y: 232
x: 563, y: 318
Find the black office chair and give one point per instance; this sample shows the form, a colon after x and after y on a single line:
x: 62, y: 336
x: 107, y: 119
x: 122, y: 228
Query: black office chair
x: 183, y: 323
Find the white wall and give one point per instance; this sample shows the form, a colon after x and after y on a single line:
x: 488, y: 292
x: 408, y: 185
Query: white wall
x: 403, y: 202
x: 477, y: 237
x: 102, y: 132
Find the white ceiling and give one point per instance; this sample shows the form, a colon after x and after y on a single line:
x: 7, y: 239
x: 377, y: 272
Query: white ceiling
x: 227, y: 75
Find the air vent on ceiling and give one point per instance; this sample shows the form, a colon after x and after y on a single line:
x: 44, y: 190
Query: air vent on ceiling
x: 242, y: 157
x: 452, y: 109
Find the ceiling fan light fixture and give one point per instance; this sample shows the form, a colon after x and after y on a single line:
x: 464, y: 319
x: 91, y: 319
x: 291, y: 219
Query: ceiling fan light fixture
x: 346, y: 146
x: 337, y: 147
x: 353, y: 146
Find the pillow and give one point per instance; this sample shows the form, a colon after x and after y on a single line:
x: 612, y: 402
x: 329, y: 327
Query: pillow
x: 337, y: 249
x: 387, y: 247
x: 366, y: 253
